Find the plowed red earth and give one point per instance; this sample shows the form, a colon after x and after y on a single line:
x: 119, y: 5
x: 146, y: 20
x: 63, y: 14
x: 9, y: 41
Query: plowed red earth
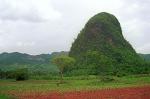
x: 119, y: 93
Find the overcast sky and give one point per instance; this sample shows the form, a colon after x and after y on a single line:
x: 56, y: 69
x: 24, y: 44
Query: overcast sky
x: 45, y: 26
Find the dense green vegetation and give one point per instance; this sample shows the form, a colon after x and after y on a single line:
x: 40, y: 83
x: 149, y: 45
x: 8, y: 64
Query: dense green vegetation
x: 100, y: 48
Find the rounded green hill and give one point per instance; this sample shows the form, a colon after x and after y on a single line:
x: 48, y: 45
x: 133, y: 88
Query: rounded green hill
x: 100, y: 44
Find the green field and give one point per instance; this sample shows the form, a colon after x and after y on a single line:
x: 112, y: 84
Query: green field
x: 71, y: 83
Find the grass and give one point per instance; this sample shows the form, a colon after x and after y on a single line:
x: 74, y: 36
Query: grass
x: 2, y: 96
x: 12, y: 87
x: 80, y: 84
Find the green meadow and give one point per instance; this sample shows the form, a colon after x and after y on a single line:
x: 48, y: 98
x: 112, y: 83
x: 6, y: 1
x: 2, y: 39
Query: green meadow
x: 73, y: 83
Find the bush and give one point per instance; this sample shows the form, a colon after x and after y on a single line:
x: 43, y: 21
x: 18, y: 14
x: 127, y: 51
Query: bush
x: 21, y: 74
x: 2, y: 74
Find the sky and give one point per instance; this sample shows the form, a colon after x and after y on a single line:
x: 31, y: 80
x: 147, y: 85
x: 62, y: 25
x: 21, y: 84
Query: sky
x: 45, y: 26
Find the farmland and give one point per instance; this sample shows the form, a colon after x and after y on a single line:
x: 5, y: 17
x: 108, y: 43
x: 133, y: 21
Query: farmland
x: 72, y: 84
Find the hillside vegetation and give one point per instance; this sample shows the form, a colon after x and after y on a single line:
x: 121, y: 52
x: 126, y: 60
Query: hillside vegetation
x: 27, y: 65
x: 100, y: 48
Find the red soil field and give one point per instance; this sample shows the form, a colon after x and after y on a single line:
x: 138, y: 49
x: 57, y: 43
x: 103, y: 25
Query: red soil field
x: 118, y: 93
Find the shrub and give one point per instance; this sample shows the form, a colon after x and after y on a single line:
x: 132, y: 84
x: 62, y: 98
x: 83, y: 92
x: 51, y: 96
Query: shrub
x: 21, y: 74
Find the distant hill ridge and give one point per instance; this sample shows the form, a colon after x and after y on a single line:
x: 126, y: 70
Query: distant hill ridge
x: 35, y: 63
x: 145, y: 56
x: 22, y: 58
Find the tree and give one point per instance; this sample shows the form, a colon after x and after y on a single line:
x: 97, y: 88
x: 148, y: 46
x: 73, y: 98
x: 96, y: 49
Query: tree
x: 61, y: 62
x: 2, y: 74
x: 21, y: 74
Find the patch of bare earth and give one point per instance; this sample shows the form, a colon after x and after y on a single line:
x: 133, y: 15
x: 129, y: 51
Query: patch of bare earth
x: 118, y: 93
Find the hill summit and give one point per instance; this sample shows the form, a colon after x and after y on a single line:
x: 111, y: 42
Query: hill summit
x: 101, y: 44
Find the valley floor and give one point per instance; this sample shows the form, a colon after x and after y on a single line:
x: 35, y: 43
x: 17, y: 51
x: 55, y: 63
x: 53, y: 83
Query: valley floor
x: 129, y: 87
x: 142, y: 92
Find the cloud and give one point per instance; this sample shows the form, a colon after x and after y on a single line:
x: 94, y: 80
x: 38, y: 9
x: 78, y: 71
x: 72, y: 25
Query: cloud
x: 134, y: 18
x: 145, y: 48
x: 28, y: 10
x: 44, y: 26
x: 21, y: 44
